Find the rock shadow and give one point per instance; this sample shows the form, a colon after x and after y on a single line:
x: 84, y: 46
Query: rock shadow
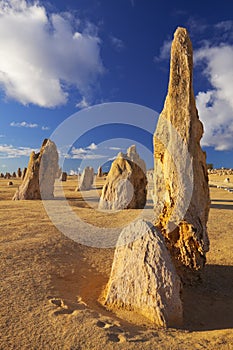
x: 209, y: 305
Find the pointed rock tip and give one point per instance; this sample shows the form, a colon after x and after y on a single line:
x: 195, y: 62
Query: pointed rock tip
x: 181, y: 35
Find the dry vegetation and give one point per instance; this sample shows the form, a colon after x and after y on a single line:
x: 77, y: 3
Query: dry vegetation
x: 50, y: 285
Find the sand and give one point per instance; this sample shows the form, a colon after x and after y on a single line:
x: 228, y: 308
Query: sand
x: 50, y: 285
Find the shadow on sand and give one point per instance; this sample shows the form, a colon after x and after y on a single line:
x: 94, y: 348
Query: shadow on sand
x: 209, y: 306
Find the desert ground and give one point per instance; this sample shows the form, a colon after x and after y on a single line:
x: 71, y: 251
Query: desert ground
x: 51, y: 285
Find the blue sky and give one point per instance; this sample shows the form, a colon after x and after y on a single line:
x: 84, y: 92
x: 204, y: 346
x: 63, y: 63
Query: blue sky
x: 59, y: 57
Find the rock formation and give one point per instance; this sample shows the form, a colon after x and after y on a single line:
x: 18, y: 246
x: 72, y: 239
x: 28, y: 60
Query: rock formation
x: 63, y: 176
x: 14, y: 174
x: 19, y: 173
x: 143, y: 278
x: 86, y: 179
x: 23, y: 173
x: 99, y: 172
x: 41, y: 173
x: 125, y: 186
x: 7, y: 176
x: 180, y: 171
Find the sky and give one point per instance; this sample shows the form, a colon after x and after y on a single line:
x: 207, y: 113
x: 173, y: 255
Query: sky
x: 61, y: 58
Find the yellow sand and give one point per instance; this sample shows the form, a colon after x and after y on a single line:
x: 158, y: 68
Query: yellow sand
x: 50, y: 285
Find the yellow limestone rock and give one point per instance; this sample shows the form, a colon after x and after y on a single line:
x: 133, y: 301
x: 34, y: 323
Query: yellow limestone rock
x: 180, y: 173
x: 143, y: 278
x: 86, y: 180
x: 125, y: 186
x: 38, y: 181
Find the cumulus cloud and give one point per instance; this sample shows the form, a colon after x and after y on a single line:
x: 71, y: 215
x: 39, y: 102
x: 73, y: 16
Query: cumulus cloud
x: 73, y: 172
x: 24, y: 125
x: 44, y: 128
x: 215, y: 106
x: 85, y: 153
x: 42, y: 56
x: 9, y: 151
x: 92, y: 146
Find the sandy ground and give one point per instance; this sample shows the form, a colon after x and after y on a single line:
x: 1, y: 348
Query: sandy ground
x: 50, y: 285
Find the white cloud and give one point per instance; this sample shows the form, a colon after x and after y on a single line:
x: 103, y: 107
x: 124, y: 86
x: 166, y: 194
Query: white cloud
x: 24, y: 125
x: 9, y: 151
x: 89, y: 156
x: 85, y: 153
x: 45, y: 127
x: 92, y: 146
x: 73, y: 172
x: 116, y: 43
x: 115, y: 148
x: 164, y: 52
x: 215, y: 106
x: 82, y: 104
x: 42, y: 56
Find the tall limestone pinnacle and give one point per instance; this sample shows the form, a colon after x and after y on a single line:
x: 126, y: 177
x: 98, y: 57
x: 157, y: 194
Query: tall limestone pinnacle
x: 181, y: 196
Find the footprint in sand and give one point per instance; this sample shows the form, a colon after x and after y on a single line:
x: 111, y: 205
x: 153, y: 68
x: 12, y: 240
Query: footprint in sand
x: 67, y: 308
x: 63, y: 308
x: 115, y: 333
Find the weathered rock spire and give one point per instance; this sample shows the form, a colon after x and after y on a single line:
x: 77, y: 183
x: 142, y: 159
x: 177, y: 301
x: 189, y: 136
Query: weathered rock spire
x: 181, y: 180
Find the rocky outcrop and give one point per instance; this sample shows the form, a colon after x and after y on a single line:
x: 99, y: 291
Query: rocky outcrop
x: 86, y: 179
x: 63, y: 176
x: 23, y: 173
x: 41, y: 172
x: 125, y: 186
x: 99, y: 172
x: 143, y: 278
x: 19, y: 173
x: 180, y: 172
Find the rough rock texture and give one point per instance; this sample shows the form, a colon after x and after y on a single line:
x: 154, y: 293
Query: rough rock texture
x: 23, y: 173
x: 86, y: 179
x: 99, y: 172
x: 63, y: 176
x: 19, y: 173
x: 125, y: 186
x: 180, y: 171
x: 143, y: 277
x: 41, y: 172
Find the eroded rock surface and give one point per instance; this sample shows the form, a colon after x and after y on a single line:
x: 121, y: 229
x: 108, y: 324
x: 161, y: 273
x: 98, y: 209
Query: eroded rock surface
x: 99, y: 172
x: 19, y: 173
x: 143, y: 277
x: 180, y: 172
x: 41, y: 172
x: 23, y: 173
x: 125, y: 186
x: 86, y: 179
x: 63, y: 176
